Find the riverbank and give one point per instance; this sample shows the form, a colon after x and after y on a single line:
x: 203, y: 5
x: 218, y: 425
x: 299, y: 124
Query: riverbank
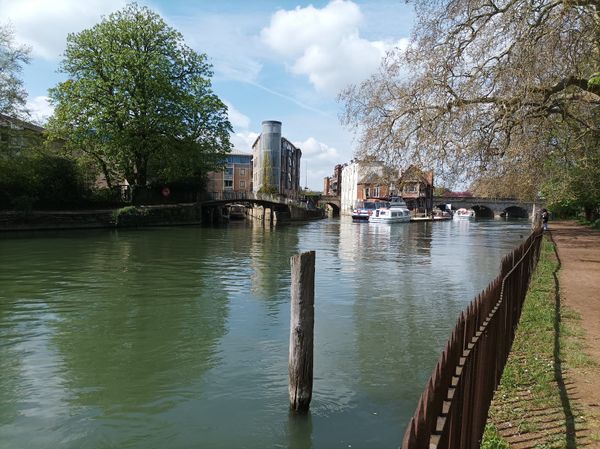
x: 549, y: 395
x: 130, y: 216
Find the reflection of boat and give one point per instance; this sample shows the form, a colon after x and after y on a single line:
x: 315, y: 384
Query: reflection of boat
x: 393, y: 212
x: 237, y: 211
x: 364, y: 209
x: 464, y: 214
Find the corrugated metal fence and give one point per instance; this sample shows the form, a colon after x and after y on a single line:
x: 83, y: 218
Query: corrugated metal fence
x: 453, y: 409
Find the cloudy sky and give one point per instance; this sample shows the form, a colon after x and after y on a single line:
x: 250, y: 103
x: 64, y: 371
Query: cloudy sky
x: 272, y: 60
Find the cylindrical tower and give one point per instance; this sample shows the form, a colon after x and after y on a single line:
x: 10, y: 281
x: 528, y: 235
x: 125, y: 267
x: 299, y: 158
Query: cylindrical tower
x: 269, y: 167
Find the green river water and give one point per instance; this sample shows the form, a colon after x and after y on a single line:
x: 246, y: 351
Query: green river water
x: 178, y: 337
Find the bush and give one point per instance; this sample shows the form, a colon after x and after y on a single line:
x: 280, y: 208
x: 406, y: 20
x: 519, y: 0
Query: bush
x: 41, y: 181
x: 269, y: 190
x: 24, y: 203
x: 137, y: 216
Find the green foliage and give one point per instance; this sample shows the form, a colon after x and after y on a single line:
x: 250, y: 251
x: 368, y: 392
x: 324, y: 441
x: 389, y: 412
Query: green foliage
x: 39, y: 180
x: 547, y: 339
x: 138, y: 102
x: 268, y: 189
x: 24, y: 203
x: 12, y: 57
x: 128, y: 211
x: 492, y: 439
x: 267, y: 175
x: 140, y: 216
x: 571, y: 177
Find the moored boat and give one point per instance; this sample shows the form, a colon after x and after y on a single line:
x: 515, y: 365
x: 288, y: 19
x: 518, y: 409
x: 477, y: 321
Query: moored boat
x: 393, y: 212
x: 464, y: 214
x: 362, y: 210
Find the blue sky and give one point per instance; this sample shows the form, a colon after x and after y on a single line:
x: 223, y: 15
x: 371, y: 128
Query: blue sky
x: 272, y: 60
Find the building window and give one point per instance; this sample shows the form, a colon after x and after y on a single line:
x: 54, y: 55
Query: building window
x: 242, y: 184
x: 242, y: 172
x: 376, y: 192
x: 229, y: 172
x: 410, y: 188
x: 228, y: 184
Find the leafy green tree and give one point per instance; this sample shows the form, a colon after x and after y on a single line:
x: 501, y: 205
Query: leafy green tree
x: 12, y: 57
x: 138, y: 101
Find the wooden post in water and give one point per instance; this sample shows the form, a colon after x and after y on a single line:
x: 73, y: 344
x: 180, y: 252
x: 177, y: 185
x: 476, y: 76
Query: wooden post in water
x: 302, y: 319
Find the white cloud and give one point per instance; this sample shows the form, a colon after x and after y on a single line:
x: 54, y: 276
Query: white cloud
x: 242, y: 141
x: 314, y: 150
x: 40, y: 109
x: 44, y: 25
x: 318, y: 160
x: 325, y: 44
x: 236, y: 118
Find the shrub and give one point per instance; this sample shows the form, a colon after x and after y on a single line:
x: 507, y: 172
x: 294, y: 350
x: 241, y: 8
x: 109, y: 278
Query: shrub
x: 40, y: 181
x: 23, y: 203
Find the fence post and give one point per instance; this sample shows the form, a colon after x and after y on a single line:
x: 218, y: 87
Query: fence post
x: 302, y: 317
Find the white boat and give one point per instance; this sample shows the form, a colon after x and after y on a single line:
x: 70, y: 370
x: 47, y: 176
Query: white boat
x: 393, y: 212
x: 464, y: 214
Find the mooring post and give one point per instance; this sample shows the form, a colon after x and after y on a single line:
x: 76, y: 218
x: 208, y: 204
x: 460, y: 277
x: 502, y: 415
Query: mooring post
x: 302, y: 320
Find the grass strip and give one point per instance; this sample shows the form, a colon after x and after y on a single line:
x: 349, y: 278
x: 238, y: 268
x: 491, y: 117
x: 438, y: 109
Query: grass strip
x: 532, y: 407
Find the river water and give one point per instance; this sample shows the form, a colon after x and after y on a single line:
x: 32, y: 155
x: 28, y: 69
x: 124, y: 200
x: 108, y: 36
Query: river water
x: 178, y: 337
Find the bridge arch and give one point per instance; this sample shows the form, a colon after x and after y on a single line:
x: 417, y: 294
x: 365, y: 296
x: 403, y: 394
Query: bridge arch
x: 514, y: 212
x: 482, y: 211
x: 331, y: 208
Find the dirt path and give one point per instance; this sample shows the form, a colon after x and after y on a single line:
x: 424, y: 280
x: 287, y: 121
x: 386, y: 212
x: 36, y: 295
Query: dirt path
x: 579, y: 252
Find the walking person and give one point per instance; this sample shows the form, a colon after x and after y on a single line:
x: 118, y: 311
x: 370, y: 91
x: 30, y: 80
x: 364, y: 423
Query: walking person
x: 545, y: 215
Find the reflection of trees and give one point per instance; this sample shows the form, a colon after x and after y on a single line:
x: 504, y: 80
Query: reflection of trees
x: 270, y: 259
x: 9, y: 374
x: 143, y: 317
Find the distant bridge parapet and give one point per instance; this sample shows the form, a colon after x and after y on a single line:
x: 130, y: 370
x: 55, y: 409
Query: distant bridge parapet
x: 491, y: 207
x: 227, y: 197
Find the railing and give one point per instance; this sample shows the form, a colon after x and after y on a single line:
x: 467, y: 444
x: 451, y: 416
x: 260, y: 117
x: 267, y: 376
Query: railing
x: 244, y: 195
x: 453, y: 408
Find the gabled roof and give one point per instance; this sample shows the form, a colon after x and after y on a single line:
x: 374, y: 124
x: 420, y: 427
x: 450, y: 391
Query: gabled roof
x: 20, y: 123
x: 413, y: 173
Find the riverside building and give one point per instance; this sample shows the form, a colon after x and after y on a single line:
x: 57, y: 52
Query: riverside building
x: 276, y: 162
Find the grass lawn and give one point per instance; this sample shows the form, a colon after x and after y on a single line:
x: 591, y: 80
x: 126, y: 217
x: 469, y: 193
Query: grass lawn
x: 535, y: 405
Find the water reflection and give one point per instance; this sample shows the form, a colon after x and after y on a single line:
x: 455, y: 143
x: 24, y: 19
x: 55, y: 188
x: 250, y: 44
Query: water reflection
x: 112, y: 335
x: 270, y: 254
x: 178, y: 337
x: 300, y: 431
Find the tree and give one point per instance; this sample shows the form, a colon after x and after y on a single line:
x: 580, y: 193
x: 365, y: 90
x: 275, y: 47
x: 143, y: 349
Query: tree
x: 572, y: 178
x: 486, y: 89
x: 12, y: 57
x: 138, y: 101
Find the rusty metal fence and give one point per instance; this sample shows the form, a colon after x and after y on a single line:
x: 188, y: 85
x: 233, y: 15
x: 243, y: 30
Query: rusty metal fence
x: 453, y: 408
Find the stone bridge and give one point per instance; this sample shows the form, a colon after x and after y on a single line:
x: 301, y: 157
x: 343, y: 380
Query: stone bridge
x: 483, y: 207
x: 267, y: 207
x: 491, y: 207
x: 332, y: 203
